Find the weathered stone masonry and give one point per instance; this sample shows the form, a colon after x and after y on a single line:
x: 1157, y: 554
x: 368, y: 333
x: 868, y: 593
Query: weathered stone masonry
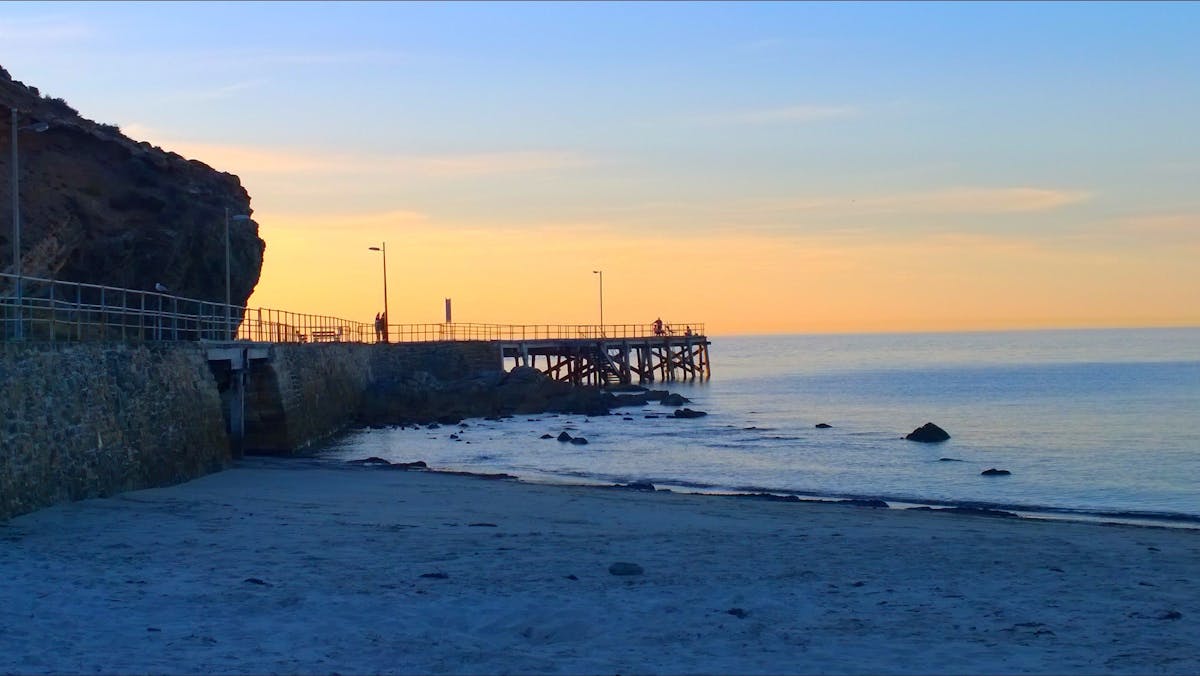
x: 88, y: 420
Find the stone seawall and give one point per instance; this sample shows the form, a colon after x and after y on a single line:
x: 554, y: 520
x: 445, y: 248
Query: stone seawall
x: 82, y: 421
x: 89, y: 420
x: 303, y: 395
x: 308, y: 393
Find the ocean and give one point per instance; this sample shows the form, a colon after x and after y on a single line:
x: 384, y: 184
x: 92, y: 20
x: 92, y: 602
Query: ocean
x: 1092, y: 424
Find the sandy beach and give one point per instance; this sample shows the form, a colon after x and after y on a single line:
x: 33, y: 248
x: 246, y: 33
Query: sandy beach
x: 294, y: 566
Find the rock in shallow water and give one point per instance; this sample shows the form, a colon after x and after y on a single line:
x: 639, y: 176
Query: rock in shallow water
x: 995, y: 472
x: 625, y: 568
x: 928, y: 433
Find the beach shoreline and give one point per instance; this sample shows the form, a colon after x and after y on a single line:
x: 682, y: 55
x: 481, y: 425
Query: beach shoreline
x: 305, y: 566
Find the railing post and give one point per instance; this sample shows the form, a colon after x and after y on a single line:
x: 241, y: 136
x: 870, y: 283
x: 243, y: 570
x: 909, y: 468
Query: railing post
x: 53, y: 314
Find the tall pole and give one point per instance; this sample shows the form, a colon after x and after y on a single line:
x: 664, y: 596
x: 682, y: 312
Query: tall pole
x: 228, y: 310
x: 16, y: 220
x: 386, y: 317
x: 601, y: 273
x: 383, y: 249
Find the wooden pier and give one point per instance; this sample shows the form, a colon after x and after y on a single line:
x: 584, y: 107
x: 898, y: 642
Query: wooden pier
x: 613, y: 361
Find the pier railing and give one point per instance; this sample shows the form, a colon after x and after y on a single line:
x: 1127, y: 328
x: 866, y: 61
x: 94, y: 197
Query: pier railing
x: 50, y: 310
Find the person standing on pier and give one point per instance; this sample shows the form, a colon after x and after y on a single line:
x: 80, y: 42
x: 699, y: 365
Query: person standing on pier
x: 378, y: 326
x: 658, y: 327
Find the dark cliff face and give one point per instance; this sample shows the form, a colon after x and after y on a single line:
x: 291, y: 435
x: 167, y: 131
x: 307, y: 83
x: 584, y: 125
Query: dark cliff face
x: 100, y: 208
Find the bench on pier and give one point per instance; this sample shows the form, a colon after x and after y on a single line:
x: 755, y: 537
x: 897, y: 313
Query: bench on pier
x: 326, y: 335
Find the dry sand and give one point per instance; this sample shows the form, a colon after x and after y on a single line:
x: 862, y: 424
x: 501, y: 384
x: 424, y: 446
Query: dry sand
x: 290, y: 566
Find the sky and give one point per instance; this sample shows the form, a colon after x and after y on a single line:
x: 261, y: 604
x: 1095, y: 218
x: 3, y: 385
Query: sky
x: 755, y: 167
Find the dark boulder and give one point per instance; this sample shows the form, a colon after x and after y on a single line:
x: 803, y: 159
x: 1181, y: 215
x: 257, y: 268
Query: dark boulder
x: 546, y: 436
x: 928, y: 433
x: 675, y: 400
x: 689, y: 413
x: 822, y: 426
x: 563, y: 436
x: 656, y: 395
x: 579, y: 441
x: 629, y: 400
x: 639, y: 485
x: 625, y: 568
x: 417, y: 464
x: 995, y: 472
x: 865, y: 502
x: 525, y: 374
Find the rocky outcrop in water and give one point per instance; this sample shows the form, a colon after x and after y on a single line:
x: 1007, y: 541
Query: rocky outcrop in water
x: 419, y: 396
x: 928, y: 433
x: 101, y: 208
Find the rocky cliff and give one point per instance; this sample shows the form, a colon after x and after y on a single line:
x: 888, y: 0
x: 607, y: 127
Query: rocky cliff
x: 101, y: 208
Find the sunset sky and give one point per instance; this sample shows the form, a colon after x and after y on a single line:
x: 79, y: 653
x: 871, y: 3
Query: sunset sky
x: 761, y: 167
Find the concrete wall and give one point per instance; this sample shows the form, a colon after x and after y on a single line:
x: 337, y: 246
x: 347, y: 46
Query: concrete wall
x: 90, y: 420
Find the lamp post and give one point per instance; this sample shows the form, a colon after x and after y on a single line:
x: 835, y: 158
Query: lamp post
x: 601, y: 273
x: 383, y: 250
x: 16, y: 212
x: 228, y: 303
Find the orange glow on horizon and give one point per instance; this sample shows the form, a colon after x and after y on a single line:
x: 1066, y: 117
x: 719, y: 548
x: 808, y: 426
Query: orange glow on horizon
x: 735, y: 284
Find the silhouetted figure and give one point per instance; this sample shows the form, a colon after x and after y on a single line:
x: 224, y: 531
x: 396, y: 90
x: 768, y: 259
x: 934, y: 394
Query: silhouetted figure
x: 658, y: 327
x: 688, y: 332
x: 378, y: 326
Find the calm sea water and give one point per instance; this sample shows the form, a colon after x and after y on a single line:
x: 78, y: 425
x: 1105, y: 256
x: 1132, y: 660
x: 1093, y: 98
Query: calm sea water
x: 1087, y: 421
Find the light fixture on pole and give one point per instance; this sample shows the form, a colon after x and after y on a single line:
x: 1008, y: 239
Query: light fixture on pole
x: 16, y: 212
x: 229, y: 333
x: 383, y: 250
x: 601, y: 273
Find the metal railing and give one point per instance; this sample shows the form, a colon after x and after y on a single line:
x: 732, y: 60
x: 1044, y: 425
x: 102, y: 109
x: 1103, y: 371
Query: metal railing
x: 51, y: 310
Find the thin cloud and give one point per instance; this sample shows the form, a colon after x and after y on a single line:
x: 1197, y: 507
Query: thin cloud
x: 1164, y: 224
x: 256, y: 159
x: 359, y: 222
x: 978, y: 201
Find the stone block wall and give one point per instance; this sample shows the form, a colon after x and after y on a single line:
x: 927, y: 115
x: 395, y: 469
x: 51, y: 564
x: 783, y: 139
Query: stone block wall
x: 304, y: 395
x: 90, y: 420
x: 443, y: 361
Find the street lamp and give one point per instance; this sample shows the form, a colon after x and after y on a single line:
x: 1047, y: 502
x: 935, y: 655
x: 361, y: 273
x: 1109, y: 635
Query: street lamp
x: 601, y: 273
x: 383, y: 250
x: 16, y: 210
x: 228, y: 303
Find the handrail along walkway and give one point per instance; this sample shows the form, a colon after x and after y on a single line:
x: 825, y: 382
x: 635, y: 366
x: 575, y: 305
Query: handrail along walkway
x: 52, y: 310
